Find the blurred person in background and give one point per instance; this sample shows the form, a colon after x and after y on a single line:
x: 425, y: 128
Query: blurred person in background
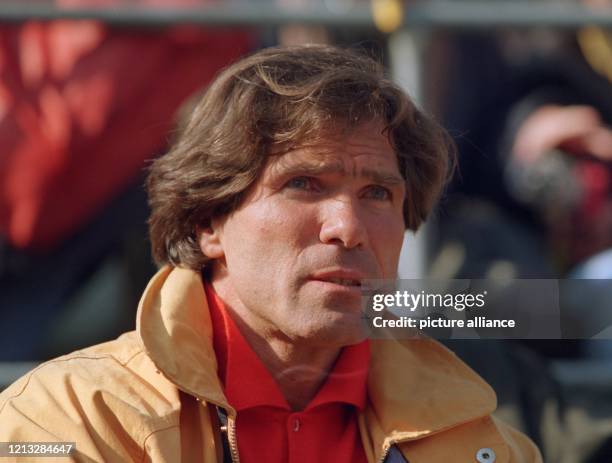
x: 535, y: 150
x: 83, y: 105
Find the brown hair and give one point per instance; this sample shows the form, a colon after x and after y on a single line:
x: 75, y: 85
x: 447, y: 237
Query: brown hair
x: 277, y: 98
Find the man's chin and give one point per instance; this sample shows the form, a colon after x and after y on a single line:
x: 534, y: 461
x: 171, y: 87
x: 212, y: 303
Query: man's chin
x: 341, y: 303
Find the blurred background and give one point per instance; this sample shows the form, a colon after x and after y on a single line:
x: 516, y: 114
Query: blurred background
x: 92, y: 90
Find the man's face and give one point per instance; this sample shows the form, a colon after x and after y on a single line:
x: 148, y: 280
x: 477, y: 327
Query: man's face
x: 320, y: 220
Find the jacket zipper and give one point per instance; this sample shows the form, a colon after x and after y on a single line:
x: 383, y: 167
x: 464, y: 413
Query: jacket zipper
x: 385, y: 453
x: 231, y: 437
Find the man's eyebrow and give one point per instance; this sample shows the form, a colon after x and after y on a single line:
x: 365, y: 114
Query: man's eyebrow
x: 308, y: 169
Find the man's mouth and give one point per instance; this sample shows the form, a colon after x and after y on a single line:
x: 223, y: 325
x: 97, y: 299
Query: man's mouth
x: 349, y: 278
x: 343, y: 281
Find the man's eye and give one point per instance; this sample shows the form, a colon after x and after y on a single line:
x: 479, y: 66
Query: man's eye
x: 378, y: 193
x: 300, y: 183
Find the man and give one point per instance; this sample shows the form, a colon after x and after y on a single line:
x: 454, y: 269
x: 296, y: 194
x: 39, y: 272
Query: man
x: 292, y: 183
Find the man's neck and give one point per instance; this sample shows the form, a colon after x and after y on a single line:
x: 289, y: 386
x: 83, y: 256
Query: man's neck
x: 299, y: 370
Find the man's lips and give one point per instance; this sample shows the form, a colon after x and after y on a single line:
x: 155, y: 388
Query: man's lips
x: 344, y: 277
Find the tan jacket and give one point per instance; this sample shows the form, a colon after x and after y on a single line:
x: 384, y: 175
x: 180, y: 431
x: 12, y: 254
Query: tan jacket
x: 120, y: 401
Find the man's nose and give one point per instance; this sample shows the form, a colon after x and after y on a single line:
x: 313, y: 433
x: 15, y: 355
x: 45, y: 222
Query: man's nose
x: 343, y: 224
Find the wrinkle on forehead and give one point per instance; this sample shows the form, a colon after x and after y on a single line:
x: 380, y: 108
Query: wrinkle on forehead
x: 334, y: 165
x: 328, y: 157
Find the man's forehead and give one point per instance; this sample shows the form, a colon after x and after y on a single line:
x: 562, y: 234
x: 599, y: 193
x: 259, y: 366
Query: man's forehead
x: 340, y: 152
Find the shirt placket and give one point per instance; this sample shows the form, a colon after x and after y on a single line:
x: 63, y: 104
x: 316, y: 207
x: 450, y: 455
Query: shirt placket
x: 297, y: 437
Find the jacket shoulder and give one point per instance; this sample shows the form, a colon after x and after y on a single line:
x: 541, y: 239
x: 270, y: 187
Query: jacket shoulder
x: 484, y: 439
x: 108, y: 398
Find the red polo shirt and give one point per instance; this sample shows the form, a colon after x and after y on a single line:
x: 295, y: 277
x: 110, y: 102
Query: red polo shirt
x: 267, y: 430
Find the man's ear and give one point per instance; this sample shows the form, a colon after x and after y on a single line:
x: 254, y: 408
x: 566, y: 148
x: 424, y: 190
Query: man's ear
x: 209, y: 241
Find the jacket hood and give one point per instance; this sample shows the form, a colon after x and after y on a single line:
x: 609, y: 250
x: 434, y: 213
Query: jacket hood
x: 416, y: 387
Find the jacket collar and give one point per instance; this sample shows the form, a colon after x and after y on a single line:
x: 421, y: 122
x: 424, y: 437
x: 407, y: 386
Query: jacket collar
x: 175, y: 328
x: 416, y: 387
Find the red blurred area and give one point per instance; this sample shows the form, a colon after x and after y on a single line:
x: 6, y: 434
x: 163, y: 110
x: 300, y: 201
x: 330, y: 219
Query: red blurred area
x: 82, y: 106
